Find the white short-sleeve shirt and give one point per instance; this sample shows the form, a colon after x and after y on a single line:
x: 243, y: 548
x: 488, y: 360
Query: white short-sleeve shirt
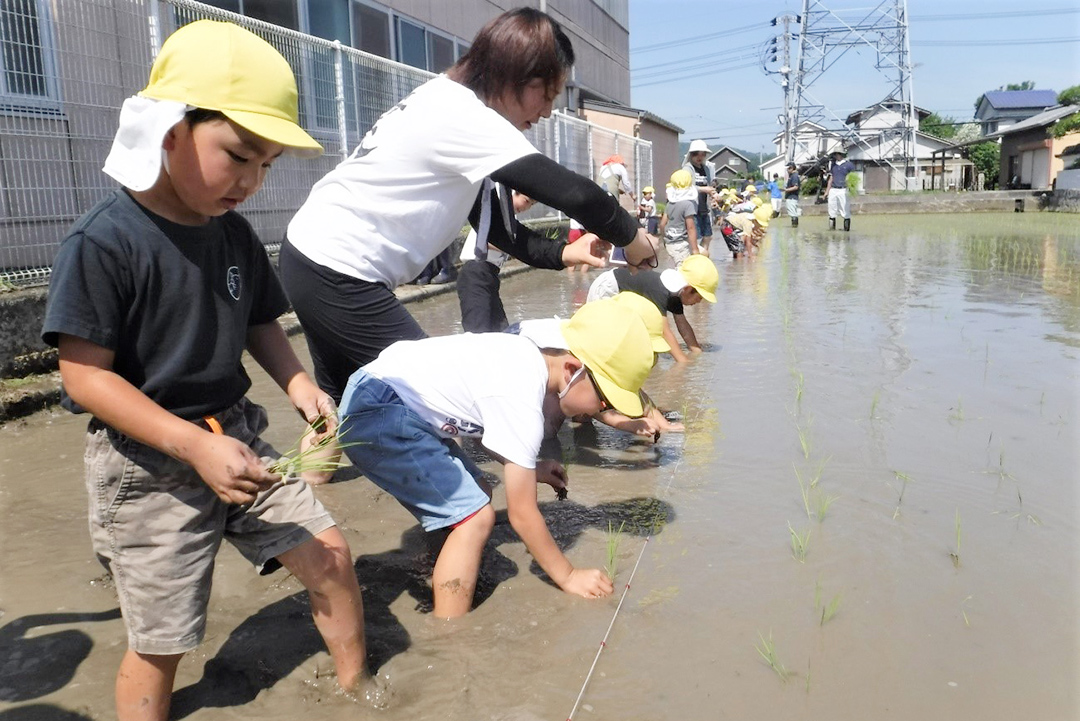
x: 406, y: 191
x: 485, y: 385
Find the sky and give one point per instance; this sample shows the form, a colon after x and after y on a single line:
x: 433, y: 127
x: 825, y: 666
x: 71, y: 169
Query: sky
x: 696, y: 63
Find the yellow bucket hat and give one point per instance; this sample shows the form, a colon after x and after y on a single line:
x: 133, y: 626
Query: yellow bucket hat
x: 650, y: 316
x: 681, y: 179
x: 701, y: 275
x: 613, y: 343
x: 763, y: 214
x: 221, y: 66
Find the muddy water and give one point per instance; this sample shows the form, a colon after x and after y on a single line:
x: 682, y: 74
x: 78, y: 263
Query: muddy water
x: 920, y: 373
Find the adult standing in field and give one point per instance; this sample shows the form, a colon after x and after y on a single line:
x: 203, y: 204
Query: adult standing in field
x: 791, y: 193
x: 703, y: 173
x: 775, y: 194
x: 836, y: 189
x: 429, y: 164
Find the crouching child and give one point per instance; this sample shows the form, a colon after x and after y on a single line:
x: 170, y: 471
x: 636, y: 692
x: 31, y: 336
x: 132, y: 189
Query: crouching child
x: 401, y: 413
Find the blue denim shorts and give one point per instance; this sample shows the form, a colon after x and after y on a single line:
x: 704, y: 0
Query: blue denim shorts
x: 704, y: 224
x: 403, y: 455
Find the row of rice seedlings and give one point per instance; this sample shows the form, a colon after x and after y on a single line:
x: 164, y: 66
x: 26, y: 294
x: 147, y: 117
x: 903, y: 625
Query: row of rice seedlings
x: 767, y: 650
x: 810, y: 493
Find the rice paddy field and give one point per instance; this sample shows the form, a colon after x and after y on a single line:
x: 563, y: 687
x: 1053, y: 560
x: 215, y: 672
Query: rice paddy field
x: 873, y: 513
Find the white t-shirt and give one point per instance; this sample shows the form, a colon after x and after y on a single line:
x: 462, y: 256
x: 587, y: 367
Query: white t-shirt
x: 544, y: 332
x: 613, y: 178
x: 484, y: 385
x: 407, y: 189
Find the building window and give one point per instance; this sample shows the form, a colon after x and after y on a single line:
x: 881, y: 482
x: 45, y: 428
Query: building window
x: 734, y: 162
x: 371, y: 30
x: 412, y: 45
x: 440, y: 52
x: 28, y: 75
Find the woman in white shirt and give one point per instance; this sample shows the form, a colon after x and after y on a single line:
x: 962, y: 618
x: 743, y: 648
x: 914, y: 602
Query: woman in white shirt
x: 429, y: 164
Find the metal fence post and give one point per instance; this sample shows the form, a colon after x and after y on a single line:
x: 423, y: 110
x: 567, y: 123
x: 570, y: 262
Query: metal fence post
x: 557, y: 117
x: 339, y: 98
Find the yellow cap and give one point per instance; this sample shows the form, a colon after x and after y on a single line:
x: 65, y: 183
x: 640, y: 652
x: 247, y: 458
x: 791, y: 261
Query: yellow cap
x: 750, y: 189
x: 221, y: 66
x: 681, y: 179
x: 648, y: 189
x: 701, y: 275
x: 650, y: 316
x: 613, y: 343
x: 763, y: 214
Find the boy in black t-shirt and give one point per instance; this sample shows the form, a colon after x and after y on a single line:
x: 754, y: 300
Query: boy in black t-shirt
x: 155, y: 294
x: 669, y: 290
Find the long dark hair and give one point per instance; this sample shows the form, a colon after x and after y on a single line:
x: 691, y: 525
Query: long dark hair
x: 513, y: 49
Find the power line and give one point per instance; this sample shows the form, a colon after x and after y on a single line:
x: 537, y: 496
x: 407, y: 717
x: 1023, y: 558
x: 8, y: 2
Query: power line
x: 994, y: 16
x: 696, y: 38
x: 695, y: 58
x: 697, y: 66
x: 751, y: 64
x: 992, y: 43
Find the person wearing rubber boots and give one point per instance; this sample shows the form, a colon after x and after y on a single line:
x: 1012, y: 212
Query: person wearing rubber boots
x: 836, y: 189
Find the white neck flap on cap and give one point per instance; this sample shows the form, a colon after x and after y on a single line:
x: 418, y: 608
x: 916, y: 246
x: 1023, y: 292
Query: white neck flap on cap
x: 135, y: 158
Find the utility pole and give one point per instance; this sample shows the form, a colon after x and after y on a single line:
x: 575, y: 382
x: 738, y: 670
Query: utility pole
x: 826, y: 36
x: 785, y: 82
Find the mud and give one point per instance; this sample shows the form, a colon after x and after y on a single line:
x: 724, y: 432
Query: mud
x: 921, y: 372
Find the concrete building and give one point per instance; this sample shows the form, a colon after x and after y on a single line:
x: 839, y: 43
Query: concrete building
x: 729, y: 163
x: 433, y: 35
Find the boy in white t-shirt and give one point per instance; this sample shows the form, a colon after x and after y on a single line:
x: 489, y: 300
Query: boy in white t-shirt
x: 401, y: 412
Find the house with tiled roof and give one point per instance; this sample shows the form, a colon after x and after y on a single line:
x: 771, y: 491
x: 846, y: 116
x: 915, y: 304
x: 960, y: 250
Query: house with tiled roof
x: 998, y: 109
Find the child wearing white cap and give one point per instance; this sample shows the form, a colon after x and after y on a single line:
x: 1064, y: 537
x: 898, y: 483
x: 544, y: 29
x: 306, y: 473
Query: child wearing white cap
x: 155, y: 294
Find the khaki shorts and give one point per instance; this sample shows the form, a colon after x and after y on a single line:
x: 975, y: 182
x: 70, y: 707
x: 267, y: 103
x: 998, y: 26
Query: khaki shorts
x: 156, y: 526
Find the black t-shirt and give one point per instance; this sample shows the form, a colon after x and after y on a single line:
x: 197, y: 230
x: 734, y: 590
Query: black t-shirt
x: 702, y: 179
x: 649, y: 284
x: 173, y: 302
x: 792, y: 179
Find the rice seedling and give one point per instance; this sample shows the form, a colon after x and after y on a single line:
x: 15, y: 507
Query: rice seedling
x: 823, y: 501
x: 807, y: 675
x: 804, y: 491
x: 874, y: 404
x: 804, y: 437
x: 957, y: 412
x: 799, y: 544
x: 829, y: 610
x: 817, y: 592
x: 322, y: 455
x: 799, y: 382
x: 963, y: 611
x: 904, y: 479
x: 818, y: 471
x: 955, y: 555
x: 767, y: 651
x: 613, y: 538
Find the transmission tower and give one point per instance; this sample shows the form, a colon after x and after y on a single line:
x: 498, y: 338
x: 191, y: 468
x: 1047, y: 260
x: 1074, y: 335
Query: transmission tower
x: 826, y: 36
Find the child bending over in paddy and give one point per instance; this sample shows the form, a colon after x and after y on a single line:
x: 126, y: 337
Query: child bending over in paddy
x: 401, y: 413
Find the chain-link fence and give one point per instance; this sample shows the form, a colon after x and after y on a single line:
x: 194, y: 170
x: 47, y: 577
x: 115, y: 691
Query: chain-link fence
x: 66, y: 67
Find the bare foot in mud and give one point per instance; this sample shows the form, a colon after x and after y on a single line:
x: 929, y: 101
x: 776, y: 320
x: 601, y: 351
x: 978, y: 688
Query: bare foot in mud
x: 373, y: 691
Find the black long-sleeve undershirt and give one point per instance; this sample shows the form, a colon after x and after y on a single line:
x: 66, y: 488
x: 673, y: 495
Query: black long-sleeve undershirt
x: 549, y: 183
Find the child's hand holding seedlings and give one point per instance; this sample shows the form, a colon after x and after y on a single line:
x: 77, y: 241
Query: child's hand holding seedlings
x: 589, y: 249
x: 588, y: 583
x: 554, y: 474
x: 230, y: 468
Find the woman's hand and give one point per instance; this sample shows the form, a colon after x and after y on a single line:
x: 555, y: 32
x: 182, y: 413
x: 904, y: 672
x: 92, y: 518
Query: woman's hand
x: 641, y: 253
x: 586, y: 250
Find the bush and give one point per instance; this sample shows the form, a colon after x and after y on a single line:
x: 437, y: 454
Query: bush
x: 1068, y: 124
x: 810, y: 186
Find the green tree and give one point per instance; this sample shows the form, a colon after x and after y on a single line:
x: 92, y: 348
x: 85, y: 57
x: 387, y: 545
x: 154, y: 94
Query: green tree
x: 1026, y: 85
x: 1068, y: 124
x: 987, y: 160
x: 1069, y: 96
x: 939, y: 127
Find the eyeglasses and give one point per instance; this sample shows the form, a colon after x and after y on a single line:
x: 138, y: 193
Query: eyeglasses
x: 605, y: 404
